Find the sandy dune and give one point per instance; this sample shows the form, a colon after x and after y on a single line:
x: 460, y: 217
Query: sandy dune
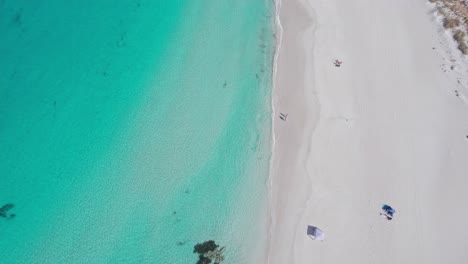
x: 385, y: 127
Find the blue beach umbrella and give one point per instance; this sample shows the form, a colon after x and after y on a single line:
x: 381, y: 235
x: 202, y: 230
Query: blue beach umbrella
x: 388, y: 211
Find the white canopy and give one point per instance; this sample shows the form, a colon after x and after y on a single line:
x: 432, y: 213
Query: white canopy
x: 315, y: 233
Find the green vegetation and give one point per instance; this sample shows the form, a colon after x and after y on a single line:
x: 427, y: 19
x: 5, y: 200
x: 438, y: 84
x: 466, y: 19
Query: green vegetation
x: 455, y: 19
x: 463, y: 48
x: 458, y: 35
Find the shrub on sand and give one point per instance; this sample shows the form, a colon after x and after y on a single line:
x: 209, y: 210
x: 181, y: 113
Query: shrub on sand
x: 463, y: 48
x: 441, y: 11
x: 451, y: 23
x: 458, y: 36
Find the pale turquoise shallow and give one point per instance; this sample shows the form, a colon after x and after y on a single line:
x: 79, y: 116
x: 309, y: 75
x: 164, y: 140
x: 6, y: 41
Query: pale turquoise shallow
x: 131, y: 130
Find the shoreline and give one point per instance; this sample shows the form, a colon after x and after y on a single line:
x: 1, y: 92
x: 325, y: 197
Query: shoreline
x: 288, y: 136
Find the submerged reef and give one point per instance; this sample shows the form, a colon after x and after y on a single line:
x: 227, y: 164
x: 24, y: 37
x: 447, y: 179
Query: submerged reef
x: 209, y: 251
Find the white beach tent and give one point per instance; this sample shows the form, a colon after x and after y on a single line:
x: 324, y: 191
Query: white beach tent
x: 315, y: 233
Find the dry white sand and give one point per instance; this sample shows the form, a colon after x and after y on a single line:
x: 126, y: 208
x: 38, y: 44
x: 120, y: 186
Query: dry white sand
x: 385, y: 127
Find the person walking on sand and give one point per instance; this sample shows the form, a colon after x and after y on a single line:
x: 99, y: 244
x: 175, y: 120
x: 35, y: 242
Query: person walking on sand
x: 284, y: 117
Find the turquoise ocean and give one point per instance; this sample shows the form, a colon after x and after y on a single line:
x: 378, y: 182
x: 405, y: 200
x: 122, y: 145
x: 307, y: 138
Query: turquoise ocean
x: 132, y: 130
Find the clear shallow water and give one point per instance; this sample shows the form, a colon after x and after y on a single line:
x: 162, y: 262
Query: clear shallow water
x: 132, y: 130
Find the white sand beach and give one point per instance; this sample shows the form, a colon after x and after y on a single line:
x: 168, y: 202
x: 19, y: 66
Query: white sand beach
x: 390, y: 126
